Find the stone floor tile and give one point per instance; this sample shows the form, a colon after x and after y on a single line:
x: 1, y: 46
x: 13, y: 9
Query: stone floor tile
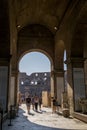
x: 44, y: 120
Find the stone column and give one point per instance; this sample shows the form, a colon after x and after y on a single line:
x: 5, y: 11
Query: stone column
x: 4, y: 82
x: 52, y: 84
x: 13, y: 52
x: 52, y: 87
x: 59, y: 84
x: 85, y: 69
x: 13, y: 87
x: 70, y: 87
x: 75, y: 83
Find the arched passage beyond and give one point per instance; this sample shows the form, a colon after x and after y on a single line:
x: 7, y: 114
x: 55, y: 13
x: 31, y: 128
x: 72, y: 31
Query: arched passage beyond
x: 39, y: 76
x: 37, y: 37
x: 37, y: 61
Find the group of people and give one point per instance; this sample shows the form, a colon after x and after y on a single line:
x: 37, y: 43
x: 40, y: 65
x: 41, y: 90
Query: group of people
x: 35, y: 101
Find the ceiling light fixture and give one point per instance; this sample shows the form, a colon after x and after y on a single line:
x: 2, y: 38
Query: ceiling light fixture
x: 55, y: 28
x: 18, y: 26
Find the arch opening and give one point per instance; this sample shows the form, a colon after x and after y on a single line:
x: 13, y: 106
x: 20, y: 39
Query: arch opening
x: 34, y: 77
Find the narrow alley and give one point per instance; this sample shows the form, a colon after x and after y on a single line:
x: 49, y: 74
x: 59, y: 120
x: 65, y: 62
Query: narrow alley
x: 42, y: 120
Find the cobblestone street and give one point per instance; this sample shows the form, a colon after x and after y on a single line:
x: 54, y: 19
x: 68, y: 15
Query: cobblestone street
x: 42, y: 120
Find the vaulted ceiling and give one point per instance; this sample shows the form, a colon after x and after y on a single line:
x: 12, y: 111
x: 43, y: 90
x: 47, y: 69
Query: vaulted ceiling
x: 53, y: 14
x: 46, y: 12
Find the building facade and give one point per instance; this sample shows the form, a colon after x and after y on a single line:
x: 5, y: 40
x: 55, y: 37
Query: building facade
x: 34, y: 84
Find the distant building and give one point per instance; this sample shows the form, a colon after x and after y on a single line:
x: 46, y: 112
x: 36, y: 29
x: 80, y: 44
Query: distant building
x: 34, y: 84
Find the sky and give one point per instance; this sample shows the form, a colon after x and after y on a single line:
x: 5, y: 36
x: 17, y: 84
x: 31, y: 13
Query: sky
x: 34, y: 62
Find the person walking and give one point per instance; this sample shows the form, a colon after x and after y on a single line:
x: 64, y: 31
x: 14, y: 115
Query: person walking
x: 36, y: 101
x: 33, y: 103
x: 28, y: 103
x: 54, y: 105
x: 40, y: 103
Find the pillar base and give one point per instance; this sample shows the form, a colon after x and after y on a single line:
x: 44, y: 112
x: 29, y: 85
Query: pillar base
x: 66, y: 112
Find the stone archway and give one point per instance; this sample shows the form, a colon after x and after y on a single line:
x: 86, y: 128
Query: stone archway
x: 50, y: 93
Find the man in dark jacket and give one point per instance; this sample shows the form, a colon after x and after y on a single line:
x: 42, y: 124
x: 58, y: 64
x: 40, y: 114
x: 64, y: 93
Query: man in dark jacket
x: 28, y: 103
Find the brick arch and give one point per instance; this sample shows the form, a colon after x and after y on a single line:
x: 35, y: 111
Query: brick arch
x: 35, y: 37
x: 35, y: 28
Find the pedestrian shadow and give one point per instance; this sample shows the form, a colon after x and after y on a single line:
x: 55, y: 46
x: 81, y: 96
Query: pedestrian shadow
x: 34, y: 125
x: 21, y: 111
x: 32, y: 114
x: 25, y: 121
x: 43, y: 111
x: 38, y: 111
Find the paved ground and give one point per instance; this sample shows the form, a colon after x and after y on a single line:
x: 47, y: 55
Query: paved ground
x: 44, y: 120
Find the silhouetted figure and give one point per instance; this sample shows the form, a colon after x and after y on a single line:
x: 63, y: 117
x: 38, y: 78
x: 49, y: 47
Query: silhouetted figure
x: 36, y: 101
x: 54, y: 105
x: 33, y: 103
x: 28, y: 103
x: 40, y: 103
